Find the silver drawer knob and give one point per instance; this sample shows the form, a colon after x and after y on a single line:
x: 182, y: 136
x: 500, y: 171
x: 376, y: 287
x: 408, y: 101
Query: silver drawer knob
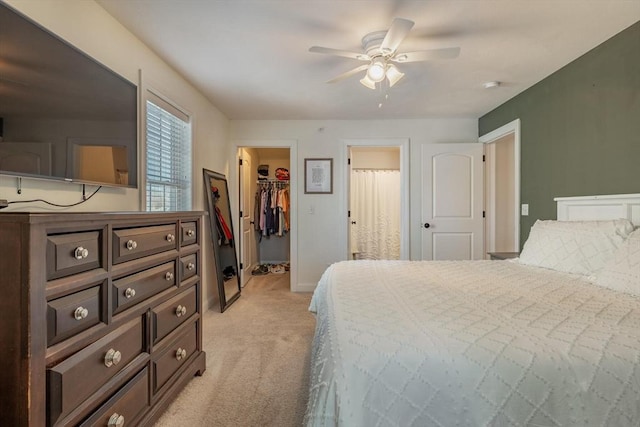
x: 131, y: 244
x: 168, y: 276
x: 116, y: 420
x: 181, y: 310
x: 81, y: 253
x: 190, y: 233
x: 181, y: 353
x: 80, y: 313
x: 170, y: 237
x: 191, y: 266
x: 112, y: 358
x: 129, y: 293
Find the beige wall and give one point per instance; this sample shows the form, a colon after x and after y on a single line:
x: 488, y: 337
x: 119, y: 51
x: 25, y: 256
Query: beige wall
x: 505, y: 195
x: 375, y: 158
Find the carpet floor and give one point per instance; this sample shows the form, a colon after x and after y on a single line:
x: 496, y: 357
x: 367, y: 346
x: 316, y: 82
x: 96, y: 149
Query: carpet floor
x: 258, y: 354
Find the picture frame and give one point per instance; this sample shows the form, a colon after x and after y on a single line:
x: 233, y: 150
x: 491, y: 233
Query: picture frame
x: 318, y: 176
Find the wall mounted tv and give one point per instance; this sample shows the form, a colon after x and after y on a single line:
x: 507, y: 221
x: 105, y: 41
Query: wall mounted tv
x: 63, y: 115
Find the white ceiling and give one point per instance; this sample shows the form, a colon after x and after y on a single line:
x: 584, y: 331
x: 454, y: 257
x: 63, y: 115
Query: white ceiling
x: 251, y: 59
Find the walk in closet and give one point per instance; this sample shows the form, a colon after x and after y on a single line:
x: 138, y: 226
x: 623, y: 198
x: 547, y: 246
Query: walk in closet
x: 265, y: 210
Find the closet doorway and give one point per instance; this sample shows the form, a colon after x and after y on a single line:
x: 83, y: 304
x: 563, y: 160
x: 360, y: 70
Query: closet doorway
x: 265, y: 211
x: 376, y: 202
x: 502, y: 188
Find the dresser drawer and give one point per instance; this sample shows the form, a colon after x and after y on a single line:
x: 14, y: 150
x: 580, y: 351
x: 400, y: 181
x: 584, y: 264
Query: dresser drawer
x: 171, y: 314
x: 124, y: 407
x: 72, y: 253
x: 130, y: 290
x: 189, y: 233
x: 132, y: 243
x: 73, y: 313
x: 188, y: 266
x: 72, y: 381
x: 176, y: 354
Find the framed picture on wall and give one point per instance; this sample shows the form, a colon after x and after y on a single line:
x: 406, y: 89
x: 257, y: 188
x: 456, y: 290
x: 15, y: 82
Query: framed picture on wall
x: 318, y: 176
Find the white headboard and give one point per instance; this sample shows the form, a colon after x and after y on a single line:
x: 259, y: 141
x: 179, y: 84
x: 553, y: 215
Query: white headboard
x: 599, y: 207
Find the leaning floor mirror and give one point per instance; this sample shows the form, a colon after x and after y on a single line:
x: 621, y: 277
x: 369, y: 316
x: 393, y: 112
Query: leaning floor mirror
x: 222, y: 239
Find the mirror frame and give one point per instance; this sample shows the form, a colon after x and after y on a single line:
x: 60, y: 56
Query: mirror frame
x: 207, y: 175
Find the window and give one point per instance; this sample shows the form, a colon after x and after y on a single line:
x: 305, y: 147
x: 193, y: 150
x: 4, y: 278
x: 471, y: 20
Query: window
x: 168, y: 157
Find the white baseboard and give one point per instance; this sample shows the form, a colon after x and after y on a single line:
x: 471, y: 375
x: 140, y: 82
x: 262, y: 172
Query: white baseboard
x: 304, y: 287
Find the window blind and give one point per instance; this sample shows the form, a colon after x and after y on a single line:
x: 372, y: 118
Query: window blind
x: 168, y: 159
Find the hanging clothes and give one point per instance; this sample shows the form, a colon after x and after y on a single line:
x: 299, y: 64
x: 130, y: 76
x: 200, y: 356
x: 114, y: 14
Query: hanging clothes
x: 273, y: 208
x: 257, y: 204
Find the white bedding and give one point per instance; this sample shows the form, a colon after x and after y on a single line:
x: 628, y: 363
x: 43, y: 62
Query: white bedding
x: 471, y: 343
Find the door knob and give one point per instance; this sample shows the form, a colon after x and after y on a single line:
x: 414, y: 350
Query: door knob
x: 427, y: 225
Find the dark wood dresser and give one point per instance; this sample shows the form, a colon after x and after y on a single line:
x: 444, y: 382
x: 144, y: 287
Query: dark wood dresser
x: 100, y: 316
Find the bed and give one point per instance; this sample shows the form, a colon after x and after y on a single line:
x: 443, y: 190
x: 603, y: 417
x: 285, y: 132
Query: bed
x: 541, y: 341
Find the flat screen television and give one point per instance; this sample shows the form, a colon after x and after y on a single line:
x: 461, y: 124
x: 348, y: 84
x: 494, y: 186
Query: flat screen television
x: 63, y: 115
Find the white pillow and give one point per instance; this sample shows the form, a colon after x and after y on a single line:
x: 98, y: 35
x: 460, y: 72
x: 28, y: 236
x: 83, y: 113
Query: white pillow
x: 622, y: 272
x: 578, y: 247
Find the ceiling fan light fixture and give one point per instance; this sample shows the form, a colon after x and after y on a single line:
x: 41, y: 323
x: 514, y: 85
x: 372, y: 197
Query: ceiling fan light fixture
x: 393, y: 75
x: 366, y: 81
x: 377, y: 70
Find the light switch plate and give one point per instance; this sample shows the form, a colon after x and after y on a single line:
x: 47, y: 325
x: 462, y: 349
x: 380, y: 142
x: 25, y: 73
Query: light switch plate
x: 525, y: 209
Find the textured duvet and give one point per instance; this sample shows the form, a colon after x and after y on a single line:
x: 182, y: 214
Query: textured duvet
x: 471, y: 343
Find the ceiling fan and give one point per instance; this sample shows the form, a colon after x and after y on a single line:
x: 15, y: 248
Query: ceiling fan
x: 380, y: 51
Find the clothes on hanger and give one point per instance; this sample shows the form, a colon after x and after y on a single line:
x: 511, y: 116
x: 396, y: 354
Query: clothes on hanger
x: 272, y: 208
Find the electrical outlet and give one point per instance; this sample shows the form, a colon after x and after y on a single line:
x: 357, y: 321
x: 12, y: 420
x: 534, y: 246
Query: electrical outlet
x: 525, y: 209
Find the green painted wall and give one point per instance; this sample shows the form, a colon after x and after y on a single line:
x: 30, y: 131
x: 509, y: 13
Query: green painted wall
x: 580, y: 128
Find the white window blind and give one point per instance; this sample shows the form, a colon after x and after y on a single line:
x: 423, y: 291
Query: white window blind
x: 168, y: 157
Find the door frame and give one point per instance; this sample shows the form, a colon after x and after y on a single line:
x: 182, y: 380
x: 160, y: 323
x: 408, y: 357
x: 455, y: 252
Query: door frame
x: 403, y: 144
x: 234, y: 178
x: 242, y: 241
x: 507, y: 129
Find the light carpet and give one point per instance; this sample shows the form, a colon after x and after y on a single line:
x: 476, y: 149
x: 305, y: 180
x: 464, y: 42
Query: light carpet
x: 258, y: 354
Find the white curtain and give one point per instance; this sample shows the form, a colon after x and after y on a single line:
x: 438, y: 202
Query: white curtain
x: 375, y: 208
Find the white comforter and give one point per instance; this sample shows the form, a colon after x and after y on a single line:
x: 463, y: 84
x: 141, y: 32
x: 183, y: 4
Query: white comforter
x: 479, y: 343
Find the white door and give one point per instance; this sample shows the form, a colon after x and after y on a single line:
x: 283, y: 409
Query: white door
x: 246, y: 214
x: 452, y: 201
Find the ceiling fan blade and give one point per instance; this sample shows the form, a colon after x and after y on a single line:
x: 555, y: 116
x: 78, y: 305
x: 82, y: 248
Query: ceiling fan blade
x: 348, y: 73
x: 397, y: 32
x: 427, y: 55
x: 345, y: 53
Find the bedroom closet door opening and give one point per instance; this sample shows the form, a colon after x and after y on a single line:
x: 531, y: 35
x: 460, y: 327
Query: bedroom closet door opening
x: 500, y: 196
x: 502, y: 188
x: 374, y: 202
x: 265, y: 209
